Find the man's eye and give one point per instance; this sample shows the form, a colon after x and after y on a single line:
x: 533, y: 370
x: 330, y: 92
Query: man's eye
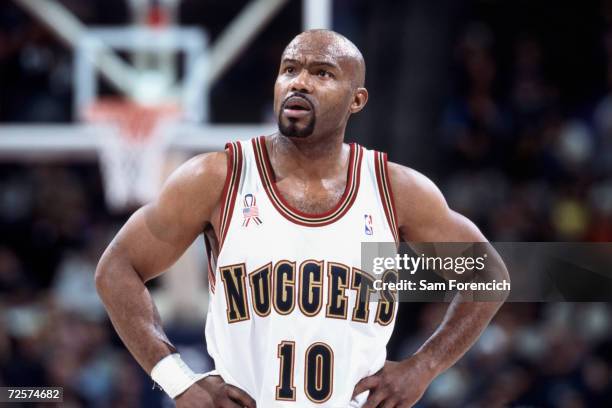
x: 289, y: 70
x: 325, y: 74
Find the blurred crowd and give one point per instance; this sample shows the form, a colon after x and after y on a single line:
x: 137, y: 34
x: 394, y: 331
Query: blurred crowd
x: 531, y: 355
x: 517, y: 154
x: 520, y: 162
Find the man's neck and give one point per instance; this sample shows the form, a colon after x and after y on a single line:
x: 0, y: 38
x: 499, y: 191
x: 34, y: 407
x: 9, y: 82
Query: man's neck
x: 308, y: 159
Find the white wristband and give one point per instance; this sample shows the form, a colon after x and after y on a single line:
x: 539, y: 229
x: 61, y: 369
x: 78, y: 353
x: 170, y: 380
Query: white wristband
x: 174, y: 376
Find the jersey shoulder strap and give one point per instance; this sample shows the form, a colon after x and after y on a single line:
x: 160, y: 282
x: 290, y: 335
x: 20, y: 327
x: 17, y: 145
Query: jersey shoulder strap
x: 235, y: 158
x: 378, y: 165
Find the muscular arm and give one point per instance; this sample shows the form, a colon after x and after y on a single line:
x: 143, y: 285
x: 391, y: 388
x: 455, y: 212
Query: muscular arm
x: 149, y: 243
x: 426, y: 217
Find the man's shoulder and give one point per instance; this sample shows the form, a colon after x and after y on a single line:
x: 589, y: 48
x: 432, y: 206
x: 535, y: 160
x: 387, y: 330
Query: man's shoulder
x: 207, y: 165
x: 406, y: 179
x: 201, y: 176
x: 416, y: 196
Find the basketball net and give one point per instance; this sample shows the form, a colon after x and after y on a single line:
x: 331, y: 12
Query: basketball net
x: 131, y: 140
x: 132, y: 134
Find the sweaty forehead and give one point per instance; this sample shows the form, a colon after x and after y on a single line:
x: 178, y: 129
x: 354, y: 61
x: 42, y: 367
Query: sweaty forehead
x: 325, y: 46
x: 320, y: 44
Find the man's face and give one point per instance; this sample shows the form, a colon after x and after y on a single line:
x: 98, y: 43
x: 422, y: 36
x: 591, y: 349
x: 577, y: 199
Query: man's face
x: 314, y: 88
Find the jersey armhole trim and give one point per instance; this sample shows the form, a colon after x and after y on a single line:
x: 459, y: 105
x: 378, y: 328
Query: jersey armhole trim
x: 230, y: 189
x: 386, y: 194
x: 212, y: 280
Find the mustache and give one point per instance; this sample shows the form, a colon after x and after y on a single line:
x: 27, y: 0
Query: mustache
x: 298, y: 95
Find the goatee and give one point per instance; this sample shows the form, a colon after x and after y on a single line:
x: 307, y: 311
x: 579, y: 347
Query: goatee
x: 291, y: 129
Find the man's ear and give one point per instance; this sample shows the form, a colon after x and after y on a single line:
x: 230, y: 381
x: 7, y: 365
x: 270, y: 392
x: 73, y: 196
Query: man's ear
x: 359, y: 100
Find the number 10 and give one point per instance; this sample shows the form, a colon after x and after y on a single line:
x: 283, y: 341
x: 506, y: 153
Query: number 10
x: 318, y: 372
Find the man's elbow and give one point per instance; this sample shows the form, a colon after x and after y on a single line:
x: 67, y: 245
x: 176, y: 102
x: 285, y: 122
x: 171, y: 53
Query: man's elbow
x: 104, y: 276
x: 111, y: 270
x: 506, y: 292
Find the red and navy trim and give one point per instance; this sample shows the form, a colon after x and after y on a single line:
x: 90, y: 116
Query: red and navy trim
x: 230, y: 189
x: 212, y: 264
x: 228, y: 200
x: 386, y: 194
x: 266, y: 174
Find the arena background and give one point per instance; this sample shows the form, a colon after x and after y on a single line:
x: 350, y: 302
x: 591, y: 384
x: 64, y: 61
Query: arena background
x: 507, y: 106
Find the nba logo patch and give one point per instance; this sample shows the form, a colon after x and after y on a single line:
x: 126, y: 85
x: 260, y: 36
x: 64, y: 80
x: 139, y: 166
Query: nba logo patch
x: 250, y: 211
x: 369, y: 229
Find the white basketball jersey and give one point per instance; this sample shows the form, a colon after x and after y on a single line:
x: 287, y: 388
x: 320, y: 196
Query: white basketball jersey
x: 285, y: 320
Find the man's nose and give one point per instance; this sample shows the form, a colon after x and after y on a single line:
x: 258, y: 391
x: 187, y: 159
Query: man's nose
x: 301, y: 82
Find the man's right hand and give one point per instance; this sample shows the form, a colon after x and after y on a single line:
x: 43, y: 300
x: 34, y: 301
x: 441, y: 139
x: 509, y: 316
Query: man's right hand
x: 213, y: 392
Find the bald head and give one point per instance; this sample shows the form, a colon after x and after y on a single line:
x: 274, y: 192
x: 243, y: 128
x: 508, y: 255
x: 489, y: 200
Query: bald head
x: 331, y: 45
x: 319, y: 85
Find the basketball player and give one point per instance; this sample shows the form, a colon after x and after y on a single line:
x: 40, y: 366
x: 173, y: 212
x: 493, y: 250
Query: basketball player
x: 284, y: 217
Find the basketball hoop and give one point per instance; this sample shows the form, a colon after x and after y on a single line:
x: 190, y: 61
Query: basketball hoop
x: 155, y: 13
x: 157, y: 16
x: 131, y: 139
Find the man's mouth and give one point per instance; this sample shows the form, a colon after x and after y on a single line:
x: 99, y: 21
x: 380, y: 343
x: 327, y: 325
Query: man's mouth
x: 297, y: 107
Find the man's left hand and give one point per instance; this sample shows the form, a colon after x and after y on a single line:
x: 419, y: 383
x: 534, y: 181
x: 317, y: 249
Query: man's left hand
x: 397, y: 384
